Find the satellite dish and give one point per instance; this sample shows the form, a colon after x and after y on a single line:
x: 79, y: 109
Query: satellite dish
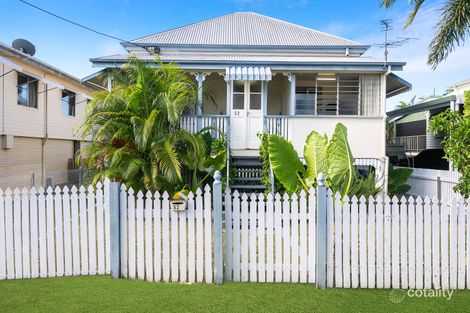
x: 24, y: 46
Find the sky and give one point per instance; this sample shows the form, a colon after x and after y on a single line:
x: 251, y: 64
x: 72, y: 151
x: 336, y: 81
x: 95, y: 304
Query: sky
x: 69, y: 48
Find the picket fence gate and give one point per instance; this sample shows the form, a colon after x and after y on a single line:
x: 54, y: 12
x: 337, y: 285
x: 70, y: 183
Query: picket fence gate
x: 310, y: 237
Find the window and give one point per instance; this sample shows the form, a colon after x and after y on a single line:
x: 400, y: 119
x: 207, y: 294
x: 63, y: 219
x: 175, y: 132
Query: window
x: 238, y: 95
x: 348, y: 94
x: 27, y: 91
x: 68, y: 103
x: 327, y: 94
x: 255, y: 95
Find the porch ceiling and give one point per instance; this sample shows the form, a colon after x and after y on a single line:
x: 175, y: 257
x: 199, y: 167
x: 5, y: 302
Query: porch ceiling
x: 396, y: 85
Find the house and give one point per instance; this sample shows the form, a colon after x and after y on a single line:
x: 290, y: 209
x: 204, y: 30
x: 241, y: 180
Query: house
x: 269, y: 75
x: 410, y: 127
x: 40, y: 106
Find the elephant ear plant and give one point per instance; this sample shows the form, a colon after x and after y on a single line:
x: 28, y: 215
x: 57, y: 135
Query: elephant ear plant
x: 333, y: 158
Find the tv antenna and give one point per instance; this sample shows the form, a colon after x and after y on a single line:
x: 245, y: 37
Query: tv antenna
x: 386, y: 25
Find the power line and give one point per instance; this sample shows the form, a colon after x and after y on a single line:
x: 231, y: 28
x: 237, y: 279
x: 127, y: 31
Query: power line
x: 85, y: 27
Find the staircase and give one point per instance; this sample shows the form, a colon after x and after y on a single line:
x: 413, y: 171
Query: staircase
x: 247, y: 176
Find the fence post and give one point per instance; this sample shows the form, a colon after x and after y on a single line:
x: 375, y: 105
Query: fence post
x: 218, y: 249
x: 114, y: 230
x: 321, y: 243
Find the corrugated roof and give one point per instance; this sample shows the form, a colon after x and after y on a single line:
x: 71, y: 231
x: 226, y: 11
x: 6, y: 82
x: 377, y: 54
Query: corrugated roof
x: 236, y: 58
x: 245, y: 29
x: 424, y: 106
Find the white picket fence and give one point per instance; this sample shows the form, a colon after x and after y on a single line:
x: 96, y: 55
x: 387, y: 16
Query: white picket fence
x: 428, y: 183
x: 398, y: 243
x: 370, y: 243
x: 270, y: 239
x: 54, y: 232
x: 163, y: 244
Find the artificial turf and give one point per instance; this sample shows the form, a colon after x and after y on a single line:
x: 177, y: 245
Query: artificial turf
x: 103, y: 294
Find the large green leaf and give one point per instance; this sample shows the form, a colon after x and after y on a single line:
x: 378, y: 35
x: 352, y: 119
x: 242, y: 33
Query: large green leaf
x: 315, y: 156
x: 340, y: 161
x: 397, y: 178
x: 285, y: 163
x: 216, y: 162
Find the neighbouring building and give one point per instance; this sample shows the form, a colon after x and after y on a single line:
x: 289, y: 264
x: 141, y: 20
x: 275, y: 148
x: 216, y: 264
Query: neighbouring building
x: 40, y: 106
x: 411, y: 142
x: 269, y: 75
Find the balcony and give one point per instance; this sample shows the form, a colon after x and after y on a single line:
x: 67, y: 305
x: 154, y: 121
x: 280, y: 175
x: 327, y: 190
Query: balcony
x: 410, y: 143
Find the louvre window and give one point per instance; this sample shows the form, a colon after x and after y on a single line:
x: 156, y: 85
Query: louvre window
x: 328, y: 94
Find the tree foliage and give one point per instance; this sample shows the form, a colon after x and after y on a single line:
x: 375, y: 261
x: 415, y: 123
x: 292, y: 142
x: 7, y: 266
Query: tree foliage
x: 135, y: 131
x: 451, y: 30
x: 456, y: 128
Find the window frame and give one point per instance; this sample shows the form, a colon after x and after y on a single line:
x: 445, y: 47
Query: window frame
x: 71, y: 103
x: 31, y: 86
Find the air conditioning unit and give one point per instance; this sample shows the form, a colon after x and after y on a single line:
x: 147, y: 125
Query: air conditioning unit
x: 8, y: 141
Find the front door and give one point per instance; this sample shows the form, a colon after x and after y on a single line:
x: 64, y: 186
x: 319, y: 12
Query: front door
x: 247, y: 116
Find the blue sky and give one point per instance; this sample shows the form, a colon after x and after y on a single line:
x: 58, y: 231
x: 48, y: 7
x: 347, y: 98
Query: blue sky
x: 69, y: 48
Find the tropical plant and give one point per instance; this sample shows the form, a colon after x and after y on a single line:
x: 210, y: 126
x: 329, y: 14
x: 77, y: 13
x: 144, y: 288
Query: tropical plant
x: 135, y: 131
x: 266, y: 165
x: 402, y: 105
x: 451, y: 30
x: 334, y: 159
x: 456, y: 129
x: 397, y: 178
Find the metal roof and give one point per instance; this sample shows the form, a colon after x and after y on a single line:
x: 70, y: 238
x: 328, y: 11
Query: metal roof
x: 423, y: 106
x: 246, y: 58
x: 245, y: 29
x: 396, y: 85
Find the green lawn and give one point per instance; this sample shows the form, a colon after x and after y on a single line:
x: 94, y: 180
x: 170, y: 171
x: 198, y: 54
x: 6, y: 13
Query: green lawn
x: 102, y: 294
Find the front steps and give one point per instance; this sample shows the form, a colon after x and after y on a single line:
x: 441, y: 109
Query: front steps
x: 248, y: 170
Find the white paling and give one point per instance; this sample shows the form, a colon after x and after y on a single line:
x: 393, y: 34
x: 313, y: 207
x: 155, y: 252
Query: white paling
x: 75, y: 231
x: 252, y: 245
x: 3, y: 270
x: 17, y: 233
x: 67, y: 233
x: 33, y: 205
x: 236, y: 237
x: 191, y: 241
x: 286, y: 237
x: 303, y: 261
x: 148, y: 236
x: 228, y: 235
x: 139, y: 213
x: 269, y: 238
x: 363, y: 242
x: 338, y: 224
x: 100, y: 229
x: 25, y: 234
x: 346, y: 224
x: 261, y: 239
x: 92, y: 229
x: 59, y: 247
x: 311, y: 234
x: 379, y: 218
x: 208, y: 234
x: 294, y: 232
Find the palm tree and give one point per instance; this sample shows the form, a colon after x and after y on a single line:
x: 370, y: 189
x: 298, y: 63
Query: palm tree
x: 451, y: 30
x: 135, y: 127
x: 402, y: 104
